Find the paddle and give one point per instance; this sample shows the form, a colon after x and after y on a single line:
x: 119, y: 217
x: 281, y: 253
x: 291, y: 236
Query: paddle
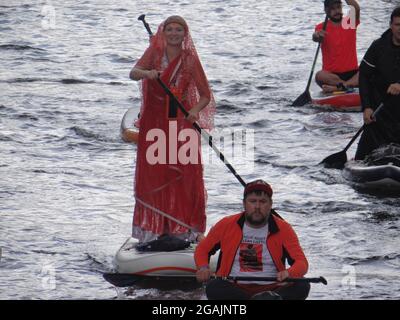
x: 305, y: 97
x: 127, y: 279
x: 337, y: 160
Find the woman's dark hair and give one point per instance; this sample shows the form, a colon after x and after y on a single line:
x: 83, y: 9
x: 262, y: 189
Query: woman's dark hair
x: 395, y: 13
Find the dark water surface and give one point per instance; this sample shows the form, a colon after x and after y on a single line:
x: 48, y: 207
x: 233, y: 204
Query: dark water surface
x: 66, y: 177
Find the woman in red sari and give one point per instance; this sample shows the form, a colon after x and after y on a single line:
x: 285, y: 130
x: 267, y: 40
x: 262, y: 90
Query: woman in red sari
x: 166, y: 183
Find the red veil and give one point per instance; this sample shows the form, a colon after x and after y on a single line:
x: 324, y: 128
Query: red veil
x: 170, y: 187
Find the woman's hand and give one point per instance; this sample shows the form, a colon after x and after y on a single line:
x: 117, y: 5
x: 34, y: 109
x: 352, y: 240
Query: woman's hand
x: 139, y: 74
x: 151, y: 74
x: 193, y: 115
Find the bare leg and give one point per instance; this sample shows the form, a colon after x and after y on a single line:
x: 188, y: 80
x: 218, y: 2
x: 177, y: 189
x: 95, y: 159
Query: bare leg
x: 327, y: 80
x: 325, y: 77
x: 353, y: 82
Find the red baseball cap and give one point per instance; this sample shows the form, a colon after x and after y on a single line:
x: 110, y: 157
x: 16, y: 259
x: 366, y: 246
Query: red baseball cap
x: 258, y: 185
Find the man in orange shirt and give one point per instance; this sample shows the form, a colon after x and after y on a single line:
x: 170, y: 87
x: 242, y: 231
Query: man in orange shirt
x: 254, y: 243
x: 339, y: 53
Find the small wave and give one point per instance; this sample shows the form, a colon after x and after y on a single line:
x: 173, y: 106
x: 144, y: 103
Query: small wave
x: 21, y: 80
x: 224, y: 54
x: 383, y: 216
x: 4, y: 29
x: 84, y: 133
x: 370, y: 259
x: 27, y: 116
x: 121, y: 59
x: 6, y: 194
x: 215, y: 82
x: 80, y: 81
x: 5, y: 138
x: 115, y: 57
x: 226, y: 107
x: 262, y: 123
x: 265, y: 87
x: 89, y: 135
x: 8, y: 109
x: 57, y: 172
x: 75, y: 81
x: 63, y: 81
x: 18, y: 47
x: 49, y: 252
x: 238, y: 92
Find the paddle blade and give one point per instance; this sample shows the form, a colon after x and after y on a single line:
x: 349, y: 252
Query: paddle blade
x: 323, y: 280
x: 158, y: 282
x: 120, y: 280
x: 302, y: 100
x: 335, y: 161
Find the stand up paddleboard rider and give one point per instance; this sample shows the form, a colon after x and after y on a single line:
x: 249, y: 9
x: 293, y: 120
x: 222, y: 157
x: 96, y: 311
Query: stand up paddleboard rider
x: 169, y: 172
x: 338, y: 43
x: 380, y: 82
x: 254, y: 243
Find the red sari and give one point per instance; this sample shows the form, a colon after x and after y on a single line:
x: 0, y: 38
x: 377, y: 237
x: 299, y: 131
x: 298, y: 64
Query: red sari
x: 162, y: 182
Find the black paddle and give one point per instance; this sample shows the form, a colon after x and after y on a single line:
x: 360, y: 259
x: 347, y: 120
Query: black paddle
x: 305, y: 97
x: 128, y: 279
x: 337, y: 160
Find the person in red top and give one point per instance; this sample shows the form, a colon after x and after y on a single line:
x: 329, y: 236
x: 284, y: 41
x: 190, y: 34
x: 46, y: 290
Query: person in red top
x: 167, y: 182
x: 254, y: 243
x: 338, y: 43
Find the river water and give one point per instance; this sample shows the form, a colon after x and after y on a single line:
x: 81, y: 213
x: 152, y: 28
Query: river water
x: 66, y: 196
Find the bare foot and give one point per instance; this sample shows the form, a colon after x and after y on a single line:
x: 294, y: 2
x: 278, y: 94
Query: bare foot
x: 328, y: 88
x: 200, y: 237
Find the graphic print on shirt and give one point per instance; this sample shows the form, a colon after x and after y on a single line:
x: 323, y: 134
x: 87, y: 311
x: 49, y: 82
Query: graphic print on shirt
x: 250, y: 257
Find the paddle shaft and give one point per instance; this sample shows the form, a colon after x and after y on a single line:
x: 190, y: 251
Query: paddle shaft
x: 362, y: 128
x: 128, y: 279
x: 203, y: 133
x: 146, y: 25
x: 164, y: 214
x: 313, y: 280
x: 316, y: 57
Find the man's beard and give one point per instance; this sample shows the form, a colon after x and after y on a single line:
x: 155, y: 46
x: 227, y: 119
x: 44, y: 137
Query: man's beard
x: 256, y: 222
x: 337, y: 20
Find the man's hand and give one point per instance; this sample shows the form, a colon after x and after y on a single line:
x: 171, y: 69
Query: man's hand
x: 203, y: 274
x: 319, y: 36
x: 394, y: 89
x: 368, y: 115
x: 282, y: 275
